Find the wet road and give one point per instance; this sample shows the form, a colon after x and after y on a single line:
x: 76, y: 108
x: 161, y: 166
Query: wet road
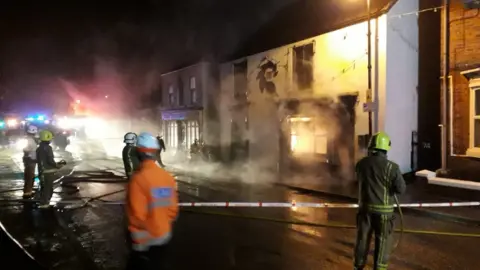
x: 93, y: 237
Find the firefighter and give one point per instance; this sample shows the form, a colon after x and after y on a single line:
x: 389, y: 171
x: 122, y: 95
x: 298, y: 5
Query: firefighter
x: 47, y: 167
x: 130, y: 157
x: 152, y: 207
x: 379, y: 181
x: 29, y: 161
x: 161, y: 142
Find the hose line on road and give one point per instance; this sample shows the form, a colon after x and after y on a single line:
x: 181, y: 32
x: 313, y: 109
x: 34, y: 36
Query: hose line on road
x: 330, y: 225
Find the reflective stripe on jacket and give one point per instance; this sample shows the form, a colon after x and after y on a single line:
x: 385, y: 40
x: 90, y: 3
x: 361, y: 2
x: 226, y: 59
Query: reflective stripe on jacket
x: 30, y: 151
x: 152, y: 206
x: 379, y: 179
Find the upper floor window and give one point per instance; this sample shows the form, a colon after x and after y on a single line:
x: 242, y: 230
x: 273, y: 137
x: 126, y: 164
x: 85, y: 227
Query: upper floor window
x: 240, y: 81
x: 171, y: 95
x: 303, y: 66
x: 193, y: 90
x: 181, y: 97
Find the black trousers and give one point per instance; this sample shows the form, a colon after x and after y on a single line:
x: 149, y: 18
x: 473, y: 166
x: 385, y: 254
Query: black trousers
x: 156, y: 258
x: 382, y: 225
x: 46, y: 187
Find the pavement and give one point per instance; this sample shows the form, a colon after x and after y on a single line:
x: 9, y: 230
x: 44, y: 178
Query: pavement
x: 93, y: 237
x: 418, y: 191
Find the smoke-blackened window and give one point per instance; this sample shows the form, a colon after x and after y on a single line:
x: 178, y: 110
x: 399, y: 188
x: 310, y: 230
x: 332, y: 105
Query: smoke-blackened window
x: 303, y: 66
x: 240, y: 81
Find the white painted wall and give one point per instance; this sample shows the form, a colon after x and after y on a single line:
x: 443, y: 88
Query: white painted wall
x: 340, y: 67
x: 402, y: 80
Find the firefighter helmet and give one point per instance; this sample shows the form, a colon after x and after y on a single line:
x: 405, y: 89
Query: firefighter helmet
x: 46, y: 136
x: 380, y: 141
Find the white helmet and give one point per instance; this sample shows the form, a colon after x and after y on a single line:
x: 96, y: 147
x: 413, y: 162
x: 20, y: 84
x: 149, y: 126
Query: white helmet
x: 130, y: 137
x: 32, y: 130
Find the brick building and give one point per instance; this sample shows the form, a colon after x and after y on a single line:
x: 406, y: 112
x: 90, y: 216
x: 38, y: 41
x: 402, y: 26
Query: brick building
x: 463, y: 112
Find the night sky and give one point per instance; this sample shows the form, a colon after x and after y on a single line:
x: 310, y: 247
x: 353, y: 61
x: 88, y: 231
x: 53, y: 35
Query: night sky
x: 45, y: 43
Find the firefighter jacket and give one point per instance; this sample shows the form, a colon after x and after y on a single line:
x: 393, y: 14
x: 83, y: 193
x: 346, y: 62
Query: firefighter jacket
x: 379, y: 180
x: 45, y: 159
x: 152, y: 206
x: 161, y: 142
x: 131, y: 159
x: 30, y: 151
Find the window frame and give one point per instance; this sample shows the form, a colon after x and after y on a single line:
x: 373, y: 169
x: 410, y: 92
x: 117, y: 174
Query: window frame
x: 171, y: 95
x: 474, y: 86
x: 193, y: 90
x: 295, y: 71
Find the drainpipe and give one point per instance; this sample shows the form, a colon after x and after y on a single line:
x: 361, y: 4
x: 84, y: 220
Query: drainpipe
x: 369, y: 53
x: 445, y: 96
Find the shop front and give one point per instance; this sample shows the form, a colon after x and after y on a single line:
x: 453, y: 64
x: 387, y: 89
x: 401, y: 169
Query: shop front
x: 181, y: 128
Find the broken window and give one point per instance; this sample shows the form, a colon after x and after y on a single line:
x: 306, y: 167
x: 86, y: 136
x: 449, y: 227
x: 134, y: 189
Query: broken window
x: 240, y: 81
x: 303, y: 66
x: 307, y: 137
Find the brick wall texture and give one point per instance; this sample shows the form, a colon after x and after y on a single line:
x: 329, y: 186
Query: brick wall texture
x: 464, y: 55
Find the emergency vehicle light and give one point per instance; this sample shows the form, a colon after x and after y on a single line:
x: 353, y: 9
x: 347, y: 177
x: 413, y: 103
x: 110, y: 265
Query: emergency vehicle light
x: 12, y: 122
x: 2, y: 124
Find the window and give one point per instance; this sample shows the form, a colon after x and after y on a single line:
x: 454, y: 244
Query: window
x: 476, y: 118
x: 193, y: 90
x: 303, y: 66
x: 240, y: 81
x: 306, y: 137
x: 181, y: 98
x: 172, y: 134
x: 193, y: 132
x: 171, y: 95
x: 474, y: 145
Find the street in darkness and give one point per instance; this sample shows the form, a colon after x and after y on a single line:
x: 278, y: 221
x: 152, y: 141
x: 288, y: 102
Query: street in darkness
x: 217, y: 238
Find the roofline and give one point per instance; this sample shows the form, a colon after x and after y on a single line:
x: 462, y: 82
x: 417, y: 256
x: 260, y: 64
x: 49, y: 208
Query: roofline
x: 375, y: 15
x: 183, y: 68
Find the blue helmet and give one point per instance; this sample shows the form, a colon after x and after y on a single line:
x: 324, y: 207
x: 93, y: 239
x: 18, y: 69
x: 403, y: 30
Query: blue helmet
x: 146, y: 142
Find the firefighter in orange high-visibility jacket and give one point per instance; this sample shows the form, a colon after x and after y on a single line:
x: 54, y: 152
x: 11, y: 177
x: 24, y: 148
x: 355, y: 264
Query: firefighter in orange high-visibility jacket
x: 152, y: 208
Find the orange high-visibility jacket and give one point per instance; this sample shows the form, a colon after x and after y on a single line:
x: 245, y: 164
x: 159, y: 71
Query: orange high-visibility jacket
x: 152, y: 206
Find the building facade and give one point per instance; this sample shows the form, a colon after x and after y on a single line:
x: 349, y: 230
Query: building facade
x: 189, y: 106
x: 307, y: 101
x: 463, y: 97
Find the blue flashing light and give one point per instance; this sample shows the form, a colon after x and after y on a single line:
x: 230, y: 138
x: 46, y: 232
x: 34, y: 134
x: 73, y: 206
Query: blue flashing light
x: 2, y: 124
x: 40, y: 118
x: 29, y: 118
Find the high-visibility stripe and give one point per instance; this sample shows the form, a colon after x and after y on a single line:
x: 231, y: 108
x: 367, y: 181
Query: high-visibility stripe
x: 139, y: 235
x: 151, y: 241
x: 159, y: 203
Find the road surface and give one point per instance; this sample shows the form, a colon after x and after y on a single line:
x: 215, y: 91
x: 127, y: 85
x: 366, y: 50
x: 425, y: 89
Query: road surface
x: 92, y: 237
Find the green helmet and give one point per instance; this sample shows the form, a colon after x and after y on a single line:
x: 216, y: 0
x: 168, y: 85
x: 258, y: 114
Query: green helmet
x: 380, y: 141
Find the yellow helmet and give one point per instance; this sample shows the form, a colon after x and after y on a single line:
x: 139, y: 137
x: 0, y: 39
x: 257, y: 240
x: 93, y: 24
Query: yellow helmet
x: 46, y: 136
